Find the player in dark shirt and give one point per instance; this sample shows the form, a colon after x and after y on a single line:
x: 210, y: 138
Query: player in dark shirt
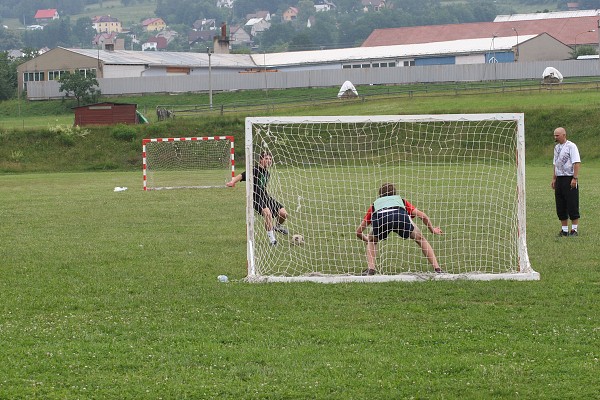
x: 262, y: 202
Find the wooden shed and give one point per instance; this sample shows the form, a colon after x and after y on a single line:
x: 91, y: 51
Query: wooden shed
x: 106, y: 114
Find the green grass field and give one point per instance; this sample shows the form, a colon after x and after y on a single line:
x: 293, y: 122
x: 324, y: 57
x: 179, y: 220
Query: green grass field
x: 115, y: 295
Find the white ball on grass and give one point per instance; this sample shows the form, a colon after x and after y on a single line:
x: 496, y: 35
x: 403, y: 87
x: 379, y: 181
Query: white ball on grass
x: 297, y: 239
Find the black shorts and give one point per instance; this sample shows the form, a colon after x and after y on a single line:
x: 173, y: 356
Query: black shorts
x: 391, y: 220
x: 260, y: 203
x: 567, y: 198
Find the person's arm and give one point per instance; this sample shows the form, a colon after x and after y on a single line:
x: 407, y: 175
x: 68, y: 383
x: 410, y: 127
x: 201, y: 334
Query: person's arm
x: 360, y: 231
x: 574, y: 181
x: 366, y: 221
x: 235, y: 180
x: 427, y: 221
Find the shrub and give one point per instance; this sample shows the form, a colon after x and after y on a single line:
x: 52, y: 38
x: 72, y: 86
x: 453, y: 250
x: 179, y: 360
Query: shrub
x: 68, y: 134
x: 126, y: 133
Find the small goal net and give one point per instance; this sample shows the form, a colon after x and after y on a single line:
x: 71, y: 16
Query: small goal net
x: 189, y: 162
x: 466, y: 172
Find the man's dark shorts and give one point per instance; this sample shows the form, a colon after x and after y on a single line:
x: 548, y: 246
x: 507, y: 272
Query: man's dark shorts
x: 261, y: 203
x: 391, y: 220
x: 567, y: 198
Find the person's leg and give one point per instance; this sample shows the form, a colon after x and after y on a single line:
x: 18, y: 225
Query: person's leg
x: 278, y: 211
x: 561, y: 206
x: 282, y: 215
x: 573, y: 209
x: 268, y: 217
x: 426, y: 248
x: 266, y: 213
x: 371, y: 253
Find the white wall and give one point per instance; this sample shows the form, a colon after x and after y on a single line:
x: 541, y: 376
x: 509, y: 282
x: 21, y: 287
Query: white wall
x: 122, y: 71
x: 470, y: 59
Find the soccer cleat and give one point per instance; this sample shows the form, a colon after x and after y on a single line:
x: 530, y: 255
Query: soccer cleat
x: 562, y: 233
x: 369, y: 271
x: 573, y: 233
x: 279, y: 228
x: 438, y: 270
x: 273, y: 243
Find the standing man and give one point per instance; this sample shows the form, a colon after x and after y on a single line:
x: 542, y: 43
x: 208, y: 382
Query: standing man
x: 263, y: 203
x: 565, y: 182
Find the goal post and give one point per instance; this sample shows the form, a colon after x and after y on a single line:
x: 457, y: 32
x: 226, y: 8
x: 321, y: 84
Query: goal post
x: 188, y: 162
x: 466, y: 171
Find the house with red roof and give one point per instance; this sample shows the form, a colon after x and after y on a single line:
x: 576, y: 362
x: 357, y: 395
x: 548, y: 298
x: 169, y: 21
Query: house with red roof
x: 290, y: 14
x: 155, y: 43
x: 569, y: 30
x: 42, y: 17
x: 154, y: 25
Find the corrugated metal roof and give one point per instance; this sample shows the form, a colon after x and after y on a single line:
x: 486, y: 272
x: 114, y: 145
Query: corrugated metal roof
x: 548, y: 15
x: 388, y: 52
x: 566, y: 30
x: 167, y: 58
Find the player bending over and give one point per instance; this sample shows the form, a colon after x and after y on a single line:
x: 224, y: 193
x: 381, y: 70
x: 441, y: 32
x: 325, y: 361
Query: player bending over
x: 391, y: 213
x: 263, y: 203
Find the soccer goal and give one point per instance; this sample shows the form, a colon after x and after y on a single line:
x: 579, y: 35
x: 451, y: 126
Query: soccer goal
x: 467, y: 172
x: 189, y: 162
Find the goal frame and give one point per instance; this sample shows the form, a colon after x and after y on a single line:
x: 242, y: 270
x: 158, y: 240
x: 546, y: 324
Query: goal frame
x: 183, y: 139
x: 525, y: 273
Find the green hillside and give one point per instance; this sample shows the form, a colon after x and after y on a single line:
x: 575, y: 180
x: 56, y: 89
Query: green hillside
x: 56, y: 147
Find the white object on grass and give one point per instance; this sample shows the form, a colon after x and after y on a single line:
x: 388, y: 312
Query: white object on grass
x: 120, y: 189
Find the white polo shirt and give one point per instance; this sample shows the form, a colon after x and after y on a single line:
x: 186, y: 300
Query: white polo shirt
x: 565, y: 155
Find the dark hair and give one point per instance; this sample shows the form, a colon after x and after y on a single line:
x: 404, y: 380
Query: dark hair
x: 264, y: 154
x: 387, y: 189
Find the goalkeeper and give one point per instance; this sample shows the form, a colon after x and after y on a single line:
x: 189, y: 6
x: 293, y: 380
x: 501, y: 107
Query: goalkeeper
x: 391, y: 213
x: 263, y: 203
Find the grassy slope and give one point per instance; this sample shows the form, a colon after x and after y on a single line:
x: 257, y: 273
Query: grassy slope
x: 38, y: 149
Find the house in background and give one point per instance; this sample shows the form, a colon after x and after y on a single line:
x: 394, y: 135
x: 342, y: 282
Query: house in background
x: 290, y: 14
x: 225, y: 3
x: 155, y: 43
x: 106, y: 23
x: 373, y: 5
x: 257, y: 25
x: 324, y: 5
x: 154, y: 25
x: 108, y: 41
x: 238, y: 36
x: 200, y: 36
x: 204, y: 24
x: 42, y: 17
x: 259, y: 14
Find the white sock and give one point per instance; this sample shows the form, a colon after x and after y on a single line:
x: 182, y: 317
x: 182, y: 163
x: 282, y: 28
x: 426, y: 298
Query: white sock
x: 574, y: 227
x: 565, y: 229
x: 271, y: 235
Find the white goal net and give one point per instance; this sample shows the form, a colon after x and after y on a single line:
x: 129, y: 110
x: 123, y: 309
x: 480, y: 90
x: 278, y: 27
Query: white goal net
x: 190, y: 162
x: 466, y: 172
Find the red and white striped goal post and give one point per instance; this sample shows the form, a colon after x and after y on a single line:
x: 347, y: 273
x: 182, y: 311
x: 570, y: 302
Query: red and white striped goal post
x: 184, y: 139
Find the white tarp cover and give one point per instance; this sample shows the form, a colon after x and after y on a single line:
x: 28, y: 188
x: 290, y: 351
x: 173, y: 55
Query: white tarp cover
x: 552, y: 74
x: 347, y: 90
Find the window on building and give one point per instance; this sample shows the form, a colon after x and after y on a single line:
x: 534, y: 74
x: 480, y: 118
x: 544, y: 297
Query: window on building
x: 33, y: 76
x: 55, y: 75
